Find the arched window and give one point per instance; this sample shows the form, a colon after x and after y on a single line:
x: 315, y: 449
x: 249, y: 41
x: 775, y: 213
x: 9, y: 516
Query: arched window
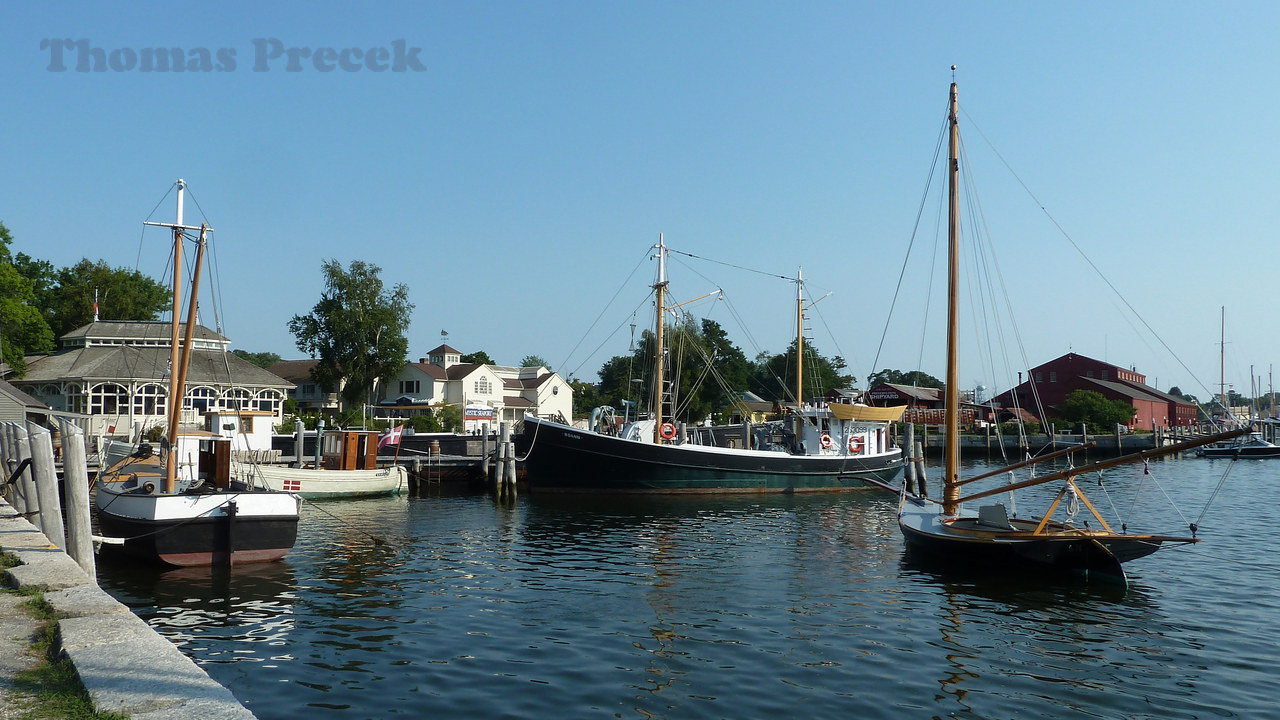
x: 269, y: 401
x: 201, y: 398
x: 237, y: 399
x: 150, y: 400
x: 108, y: 399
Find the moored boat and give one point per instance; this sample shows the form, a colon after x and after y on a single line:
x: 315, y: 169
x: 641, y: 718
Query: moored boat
x: 816, y: 448
x: 988, y: 538
x: 180, y: 506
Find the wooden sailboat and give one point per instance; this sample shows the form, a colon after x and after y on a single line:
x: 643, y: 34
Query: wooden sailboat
x: 180, y: 506
x: 988, y: 537
x: 1255, y: 446
x: 826, y: 447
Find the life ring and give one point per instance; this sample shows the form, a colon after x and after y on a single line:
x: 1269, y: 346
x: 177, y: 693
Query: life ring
x: 855, y: 445
x: 826, y: 440
x: 667, y: 431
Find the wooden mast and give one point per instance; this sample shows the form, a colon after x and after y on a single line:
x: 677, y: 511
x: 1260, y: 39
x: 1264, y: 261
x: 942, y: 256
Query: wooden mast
x: 951, y: 491
x: 178, y: 362
x: 659, y: 370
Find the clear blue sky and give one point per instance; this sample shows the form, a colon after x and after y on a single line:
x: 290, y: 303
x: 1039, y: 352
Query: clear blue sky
x: 516, y: 182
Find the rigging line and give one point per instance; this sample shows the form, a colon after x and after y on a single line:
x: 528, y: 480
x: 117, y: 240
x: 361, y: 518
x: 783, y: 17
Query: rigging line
x: 137, y: 263
x: 726, y: 264
x: 605, y: 309
x: 915, y: 229
x: 1082, y: 254
x: 606, y: 339
x: 1221, y: 481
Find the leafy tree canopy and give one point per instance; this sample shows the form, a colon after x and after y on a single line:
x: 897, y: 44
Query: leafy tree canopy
x: 22, y: 329
x: 356, y: 330
x: 123, y: 294
x: 479, y: 357
x: 1092, y: 408
x: 261, y: 359
x: 774, y: 377
x: 914, y: 378
x: 534, y: 361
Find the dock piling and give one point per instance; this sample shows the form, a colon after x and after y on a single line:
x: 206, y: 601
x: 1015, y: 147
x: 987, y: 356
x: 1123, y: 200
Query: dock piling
x: 46, y: 474
x: 75, y: 483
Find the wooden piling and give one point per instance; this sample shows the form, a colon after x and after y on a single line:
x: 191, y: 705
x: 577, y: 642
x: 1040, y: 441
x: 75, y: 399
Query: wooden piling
x: 921, y: 477
x: 910, y: 470
x: 75, y: 483
x: 24, y: 488
x: 46, y: 474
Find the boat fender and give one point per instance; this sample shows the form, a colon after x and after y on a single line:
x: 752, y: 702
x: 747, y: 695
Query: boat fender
x: 855, y: 445
x: 667, y: 431
x: 826, y: 440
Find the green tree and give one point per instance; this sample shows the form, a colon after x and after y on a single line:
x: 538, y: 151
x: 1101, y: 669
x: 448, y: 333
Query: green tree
x: 123, y: 294
x: 774, y: 377
x: 356, y: 331
x: 478, y: 357
x: 450, y: 418
x: 261, y: 359
x: 914, y: 378
x: 534, y: 361
x: 23, y: 329
x: 1092, y: 408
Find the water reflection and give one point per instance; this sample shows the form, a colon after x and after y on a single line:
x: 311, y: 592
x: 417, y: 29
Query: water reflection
x: 207, y: 611
x: 673, y: 607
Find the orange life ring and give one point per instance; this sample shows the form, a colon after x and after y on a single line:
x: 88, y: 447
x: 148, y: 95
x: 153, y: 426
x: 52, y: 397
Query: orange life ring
x: 667, y: 431
x: 855, y: 445
x: 826, y: 440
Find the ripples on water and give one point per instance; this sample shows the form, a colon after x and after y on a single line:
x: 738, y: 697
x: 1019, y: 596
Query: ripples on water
x: 721, y: 607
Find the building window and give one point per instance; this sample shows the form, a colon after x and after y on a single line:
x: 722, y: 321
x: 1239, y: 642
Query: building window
x: 150, y: 400
x: 483, y: 386
x: 1105, y: 374
x: 246, y: 424
x: 1039, y: 377
x: 409, y: 387
x: 268, y: 401
x: 108, y: 399
x: 201, y: 398
x: 1089, y: 374
x: 237, y: 399
x: 1053, y: 377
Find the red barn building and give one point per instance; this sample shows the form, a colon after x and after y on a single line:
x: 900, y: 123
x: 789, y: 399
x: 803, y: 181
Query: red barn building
x: 1056, y: 379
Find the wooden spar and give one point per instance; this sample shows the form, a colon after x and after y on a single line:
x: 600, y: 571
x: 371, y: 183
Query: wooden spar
x: 659, y: 371
x: 188, y: 335
x: 1104, y: 464
x: 1032, y: 461
x: 951, y: 491
x: 178, y: 365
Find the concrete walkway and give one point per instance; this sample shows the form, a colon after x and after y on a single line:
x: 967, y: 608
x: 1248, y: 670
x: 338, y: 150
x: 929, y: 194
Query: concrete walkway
x: 17, y: 626
x: 126, y: 666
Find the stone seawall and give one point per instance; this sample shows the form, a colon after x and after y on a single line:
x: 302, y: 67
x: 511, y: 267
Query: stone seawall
x: 126, y: 666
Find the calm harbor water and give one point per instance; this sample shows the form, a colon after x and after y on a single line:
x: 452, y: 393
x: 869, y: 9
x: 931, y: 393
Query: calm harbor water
x: 735, y: 607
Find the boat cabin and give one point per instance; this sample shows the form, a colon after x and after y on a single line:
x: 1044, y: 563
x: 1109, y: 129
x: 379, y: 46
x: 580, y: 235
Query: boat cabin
x: 350, y: 450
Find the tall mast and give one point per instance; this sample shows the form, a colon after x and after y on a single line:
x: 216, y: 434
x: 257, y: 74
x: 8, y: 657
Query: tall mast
x: 659, y: 369
x: 951, y: 491
x: 177, y: 367
x: 799, y: 340
x: 1222, y: 365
